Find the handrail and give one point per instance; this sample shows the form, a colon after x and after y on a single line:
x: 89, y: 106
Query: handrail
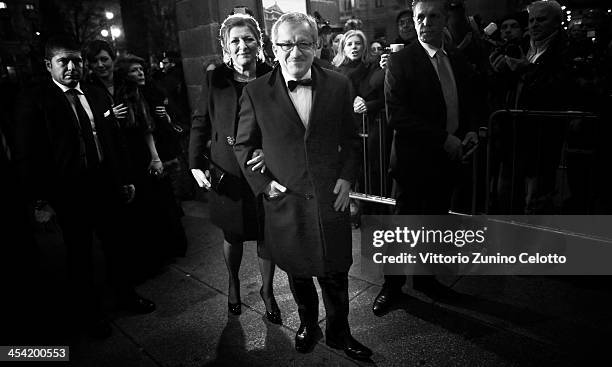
x: 371, y: 198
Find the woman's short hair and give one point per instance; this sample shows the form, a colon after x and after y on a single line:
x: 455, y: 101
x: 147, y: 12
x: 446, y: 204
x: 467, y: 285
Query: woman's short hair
x: 93, y: 48
x: 341, y: 58
x: 123, y: 63
x: 239, y: 20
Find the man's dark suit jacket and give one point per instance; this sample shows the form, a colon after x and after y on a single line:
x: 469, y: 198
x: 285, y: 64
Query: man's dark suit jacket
x: 47, y: 142
x: 417, y: 112
x: 303, y: 233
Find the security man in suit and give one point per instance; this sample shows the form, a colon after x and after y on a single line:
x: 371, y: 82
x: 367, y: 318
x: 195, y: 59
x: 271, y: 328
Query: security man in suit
x: 72, y: 163
x: 430, y: 108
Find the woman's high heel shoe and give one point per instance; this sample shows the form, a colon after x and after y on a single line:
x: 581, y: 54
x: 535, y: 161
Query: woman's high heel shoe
x: 273, y: 316
x: 234, y: 308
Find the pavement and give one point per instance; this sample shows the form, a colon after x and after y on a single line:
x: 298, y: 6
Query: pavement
x: 497, y: 321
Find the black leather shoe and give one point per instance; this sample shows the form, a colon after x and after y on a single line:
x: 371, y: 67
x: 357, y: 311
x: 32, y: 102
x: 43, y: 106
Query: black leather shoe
x: 305, y: 338
x: 384, y: 300
x: 351, y: 347
x: 137, y: 304
x: 273, y: 316
x: 234, y: 308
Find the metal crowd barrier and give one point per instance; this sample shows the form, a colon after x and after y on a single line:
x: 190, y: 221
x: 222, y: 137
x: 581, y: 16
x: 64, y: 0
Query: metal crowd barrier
x: 381, y: 196
x: 555, y: 115
x: 382, y: 162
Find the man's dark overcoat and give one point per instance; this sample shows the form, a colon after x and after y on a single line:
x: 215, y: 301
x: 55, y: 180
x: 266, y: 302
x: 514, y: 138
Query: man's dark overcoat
x: 303, y: 233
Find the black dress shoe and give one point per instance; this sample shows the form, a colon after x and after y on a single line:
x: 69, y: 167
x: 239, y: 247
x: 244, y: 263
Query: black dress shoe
x: 384, y: 300
x: 351, y: 347
x: 137, y: 304
x: 305, y: 338
x: 273, y: 316
x: 234, y: 308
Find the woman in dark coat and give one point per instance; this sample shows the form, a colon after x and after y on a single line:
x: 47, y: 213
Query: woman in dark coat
x: 157, y: 216
x: 233, y: 207
x: 353, y: 61
x: 100, y: 56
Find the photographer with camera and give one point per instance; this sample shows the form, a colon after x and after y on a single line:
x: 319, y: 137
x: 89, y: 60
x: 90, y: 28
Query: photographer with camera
x: 406, y: 34
x: 510, y: 48
x: 537, y: 80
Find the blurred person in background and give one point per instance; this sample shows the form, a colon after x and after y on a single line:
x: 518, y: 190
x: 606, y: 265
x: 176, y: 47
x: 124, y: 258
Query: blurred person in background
x: 406, y: 33
x: 376, y: 49
x: 155, y: 213
x: 100, y: 57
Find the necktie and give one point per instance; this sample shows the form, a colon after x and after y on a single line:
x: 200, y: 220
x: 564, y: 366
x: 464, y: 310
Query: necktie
x: 89, y: 152
x: 292, y: 84
x: 449, y: 90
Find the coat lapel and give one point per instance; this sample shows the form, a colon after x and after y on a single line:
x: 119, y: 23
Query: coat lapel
x: 429, y: 71
x: 63, y: 104
x: 320, y: 93
x: 224, y: 91
x: 279, y: 93
x: 460, y: 75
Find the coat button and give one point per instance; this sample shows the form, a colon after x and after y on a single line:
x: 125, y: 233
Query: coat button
x: 231, y: 140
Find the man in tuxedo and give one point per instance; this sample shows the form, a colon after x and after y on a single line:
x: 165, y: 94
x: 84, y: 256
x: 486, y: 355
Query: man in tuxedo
x: 72, y: 163
x: 429, y: 106
x: 301, y: 116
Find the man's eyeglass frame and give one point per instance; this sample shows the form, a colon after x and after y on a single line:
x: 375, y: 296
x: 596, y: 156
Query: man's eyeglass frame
x: 303, y: 46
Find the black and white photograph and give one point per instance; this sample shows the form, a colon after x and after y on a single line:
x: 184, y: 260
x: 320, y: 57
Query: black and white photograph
x: 191, y: 183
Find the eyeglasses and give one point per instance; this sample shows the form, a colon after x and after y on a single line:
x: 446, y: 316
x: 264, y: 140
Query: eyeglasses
x: 303, y: 46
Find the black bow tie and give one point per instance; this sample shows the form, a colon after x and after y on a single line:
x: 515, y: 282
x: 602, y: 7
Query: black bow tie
x: 292, y: 84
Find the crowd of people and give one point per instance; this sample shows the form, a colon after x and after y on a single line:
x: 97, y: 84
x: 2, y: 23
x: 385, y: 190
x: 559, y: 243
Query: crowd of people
x: 92, y: 150
x: 277, y: 146
x: 525, y: 61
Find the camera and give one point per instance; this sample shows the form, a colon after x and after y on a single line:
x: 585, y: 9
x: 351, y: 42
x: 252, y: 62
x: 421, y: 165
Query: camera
x: 511, y: 49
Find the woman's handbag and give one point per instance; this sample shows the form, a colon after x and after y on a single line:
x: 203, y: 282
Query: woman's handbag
x: 223, y: 182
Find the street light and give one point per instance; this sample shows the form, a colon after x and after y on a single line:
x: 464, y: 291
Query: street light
x: 109, y: 15
x: 104, y: 32
x: 115, y: 32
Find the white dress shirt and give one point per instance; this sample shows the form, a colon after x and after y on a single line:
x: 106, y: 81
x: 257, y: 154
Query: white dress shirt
x: 301, y: 97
